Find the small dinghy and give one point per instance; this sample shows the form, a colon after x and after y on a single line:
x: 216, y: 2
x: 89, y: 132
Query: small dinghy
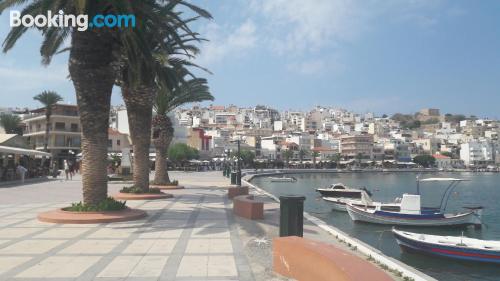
x: 339, y: 190
x: 283, y: 179
x: 455, y: 247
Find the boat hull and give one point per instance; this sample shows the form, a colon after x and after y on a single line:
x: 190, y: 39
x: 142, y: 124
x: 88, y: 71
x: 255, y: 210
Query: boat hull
x: 451, y: 252
x: 339, y: 204
x: 339, y: 193
x: 358, y: 214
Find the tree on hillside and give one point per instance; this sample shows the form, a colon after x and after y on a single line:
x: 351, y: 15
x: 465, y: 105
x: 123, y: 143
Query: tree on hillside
x: 425, y: 160
x: 406, y: 121
x: 454, y: 118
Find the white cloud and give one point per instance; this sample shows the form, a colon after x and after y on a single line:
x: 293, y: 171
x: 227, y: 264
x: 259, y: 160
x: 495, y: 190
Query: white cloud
x: 297, y: 26
x: 226, y: 41
x: 314, y: 66
x: 300, y: 31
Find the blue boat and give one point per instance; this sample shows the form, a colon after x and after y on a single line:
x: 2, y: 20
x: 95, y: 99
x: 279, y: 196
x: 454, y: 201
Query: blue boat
x: 455, y: 247
x: 412, y: 213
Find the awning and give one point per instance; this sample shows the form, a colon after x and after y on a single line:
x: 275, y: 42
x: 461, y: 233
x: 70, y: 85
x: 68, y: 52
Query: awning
x: 22, y: 151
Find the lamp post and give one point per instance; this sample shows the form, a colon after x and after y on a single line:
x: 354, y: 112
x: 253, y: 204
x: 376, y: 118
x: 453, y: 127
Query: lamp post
x: 238, y: 177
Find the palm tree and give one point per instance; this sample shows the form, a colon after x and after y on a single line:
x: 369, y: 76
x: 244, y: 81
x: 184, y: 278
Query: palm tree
x: 94, y: 57
x: 167, y: 99
x: 139, y: 95
x: 10, y: 123
x: 314, y: 155
x: 336, y: 158
x: 302, y: 153
x: 48, y: 99
x: 287, y: 154
x: 359, y: 157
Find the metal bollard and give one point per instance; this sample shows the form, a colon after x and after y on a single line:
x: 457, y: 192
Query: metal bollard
x: 292, y: 215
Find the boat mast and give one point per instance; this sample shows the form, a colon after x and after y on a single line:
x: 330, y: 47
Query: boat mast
x: 418, y: 184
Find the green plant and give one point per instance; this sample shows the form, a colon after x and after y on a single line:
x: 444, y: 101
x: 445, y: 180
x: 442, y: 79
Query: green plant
x: 108, y: 204
x: 137, y: 190
x: 174, y: 182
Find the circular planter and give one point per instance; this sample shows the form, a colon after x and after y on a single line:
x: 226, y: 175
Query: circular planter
x: 62, y: 216
x: 167, y: 186
x: 146, y: 196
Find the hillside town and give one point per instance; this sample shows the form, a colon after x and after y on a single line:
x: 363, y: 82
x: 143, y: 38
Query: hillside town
x: 324, y: 137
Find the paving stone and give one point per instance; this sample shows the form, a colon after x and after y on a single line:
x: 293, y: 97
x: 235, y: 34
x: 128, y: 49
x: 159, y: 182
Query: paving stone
x: 31, y: 247
x: 60, y: 267
x: 8, y: 263
x: 91, y: 247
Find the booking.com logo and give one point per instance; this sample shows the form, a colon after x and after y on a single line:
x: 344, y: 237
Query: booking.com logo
x: 80, y: 22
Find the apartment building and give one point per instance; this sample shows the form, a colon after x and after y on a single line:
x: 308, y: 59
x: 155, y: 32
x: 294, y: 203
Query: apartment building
x: 353, y: 146
x: 64, y: 131
x: 477, y: 153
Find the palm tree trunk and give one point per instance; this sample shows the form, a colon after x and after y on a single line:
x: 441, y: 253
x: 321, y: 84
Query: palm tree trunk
x: 162, y: 135
x: 92, y: 69
x: 139, y: 104
x: 161, y: 166
x: 46, y: 137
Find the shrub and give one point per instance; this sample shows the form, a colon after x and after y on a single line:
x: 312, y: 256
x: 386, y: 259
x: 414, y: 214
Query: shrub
x: 136, y: 190
x: 108, y: 204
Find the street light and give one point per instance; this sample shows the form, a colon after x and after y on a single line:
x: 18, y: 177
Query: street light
x: 238, y: 164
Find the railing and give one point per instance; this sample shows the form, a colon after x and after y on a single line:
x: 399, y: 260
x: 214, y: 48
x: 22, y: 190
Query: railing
x: 53, y: 130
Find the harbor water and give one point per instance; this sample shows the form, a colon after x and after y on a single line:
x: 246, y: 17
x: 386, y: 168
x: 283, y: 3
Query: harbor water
x: 480, y: 189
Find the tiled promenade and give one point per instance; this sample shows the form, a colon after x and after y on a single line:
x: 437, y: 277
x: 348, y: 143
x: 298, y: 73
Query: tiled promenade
x: 190, y: 237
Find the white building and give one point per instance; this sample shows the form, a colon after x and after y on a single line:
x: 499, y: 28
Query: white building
x: 476, y: 153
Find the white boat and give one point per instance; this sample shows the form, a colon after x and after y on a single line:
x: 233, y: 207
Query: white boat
x: 411, y: 214
x: 339, y: 190
x: 340, y: 204
x: 456, y: 247
x: 283, y: 179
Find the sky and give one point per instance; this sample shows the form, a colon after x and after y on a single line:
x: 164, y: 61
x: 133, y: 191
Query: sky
x: 382, y: 56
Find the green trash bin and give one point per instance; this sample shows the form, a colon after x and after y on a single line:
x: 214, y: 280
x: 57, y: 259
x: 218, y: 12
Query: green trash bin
x: 292, y: 215
x: 224, y: 171
x: 233, y: 177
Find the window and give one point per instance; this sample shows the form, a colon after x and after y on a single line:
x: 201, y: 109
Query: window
x: 60, y: 141
x: 74, y: 127
x: 118, y: 142
x: 110, y: 143
x: 60, y: 126
x: 76, y: 141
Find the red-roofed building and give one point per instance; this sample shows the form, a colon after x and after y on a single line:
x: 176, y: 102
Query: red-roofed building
x: 445, y: 162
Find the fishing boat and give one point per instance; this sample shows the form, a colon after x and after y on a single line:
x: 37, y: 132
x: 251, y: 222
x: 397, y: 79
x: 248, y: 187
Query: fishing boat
x: 340, y: 204
x: 339, y: 190
x: 283, y: 179
x: 455, y: 247
x: 411, y: 213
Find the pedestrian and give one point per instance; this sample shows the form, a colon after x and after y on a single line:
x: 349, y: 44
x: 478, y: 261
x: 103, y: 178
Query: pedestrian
x: 66, y: 170
x: 55, y: 171
x: 21, y: 171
